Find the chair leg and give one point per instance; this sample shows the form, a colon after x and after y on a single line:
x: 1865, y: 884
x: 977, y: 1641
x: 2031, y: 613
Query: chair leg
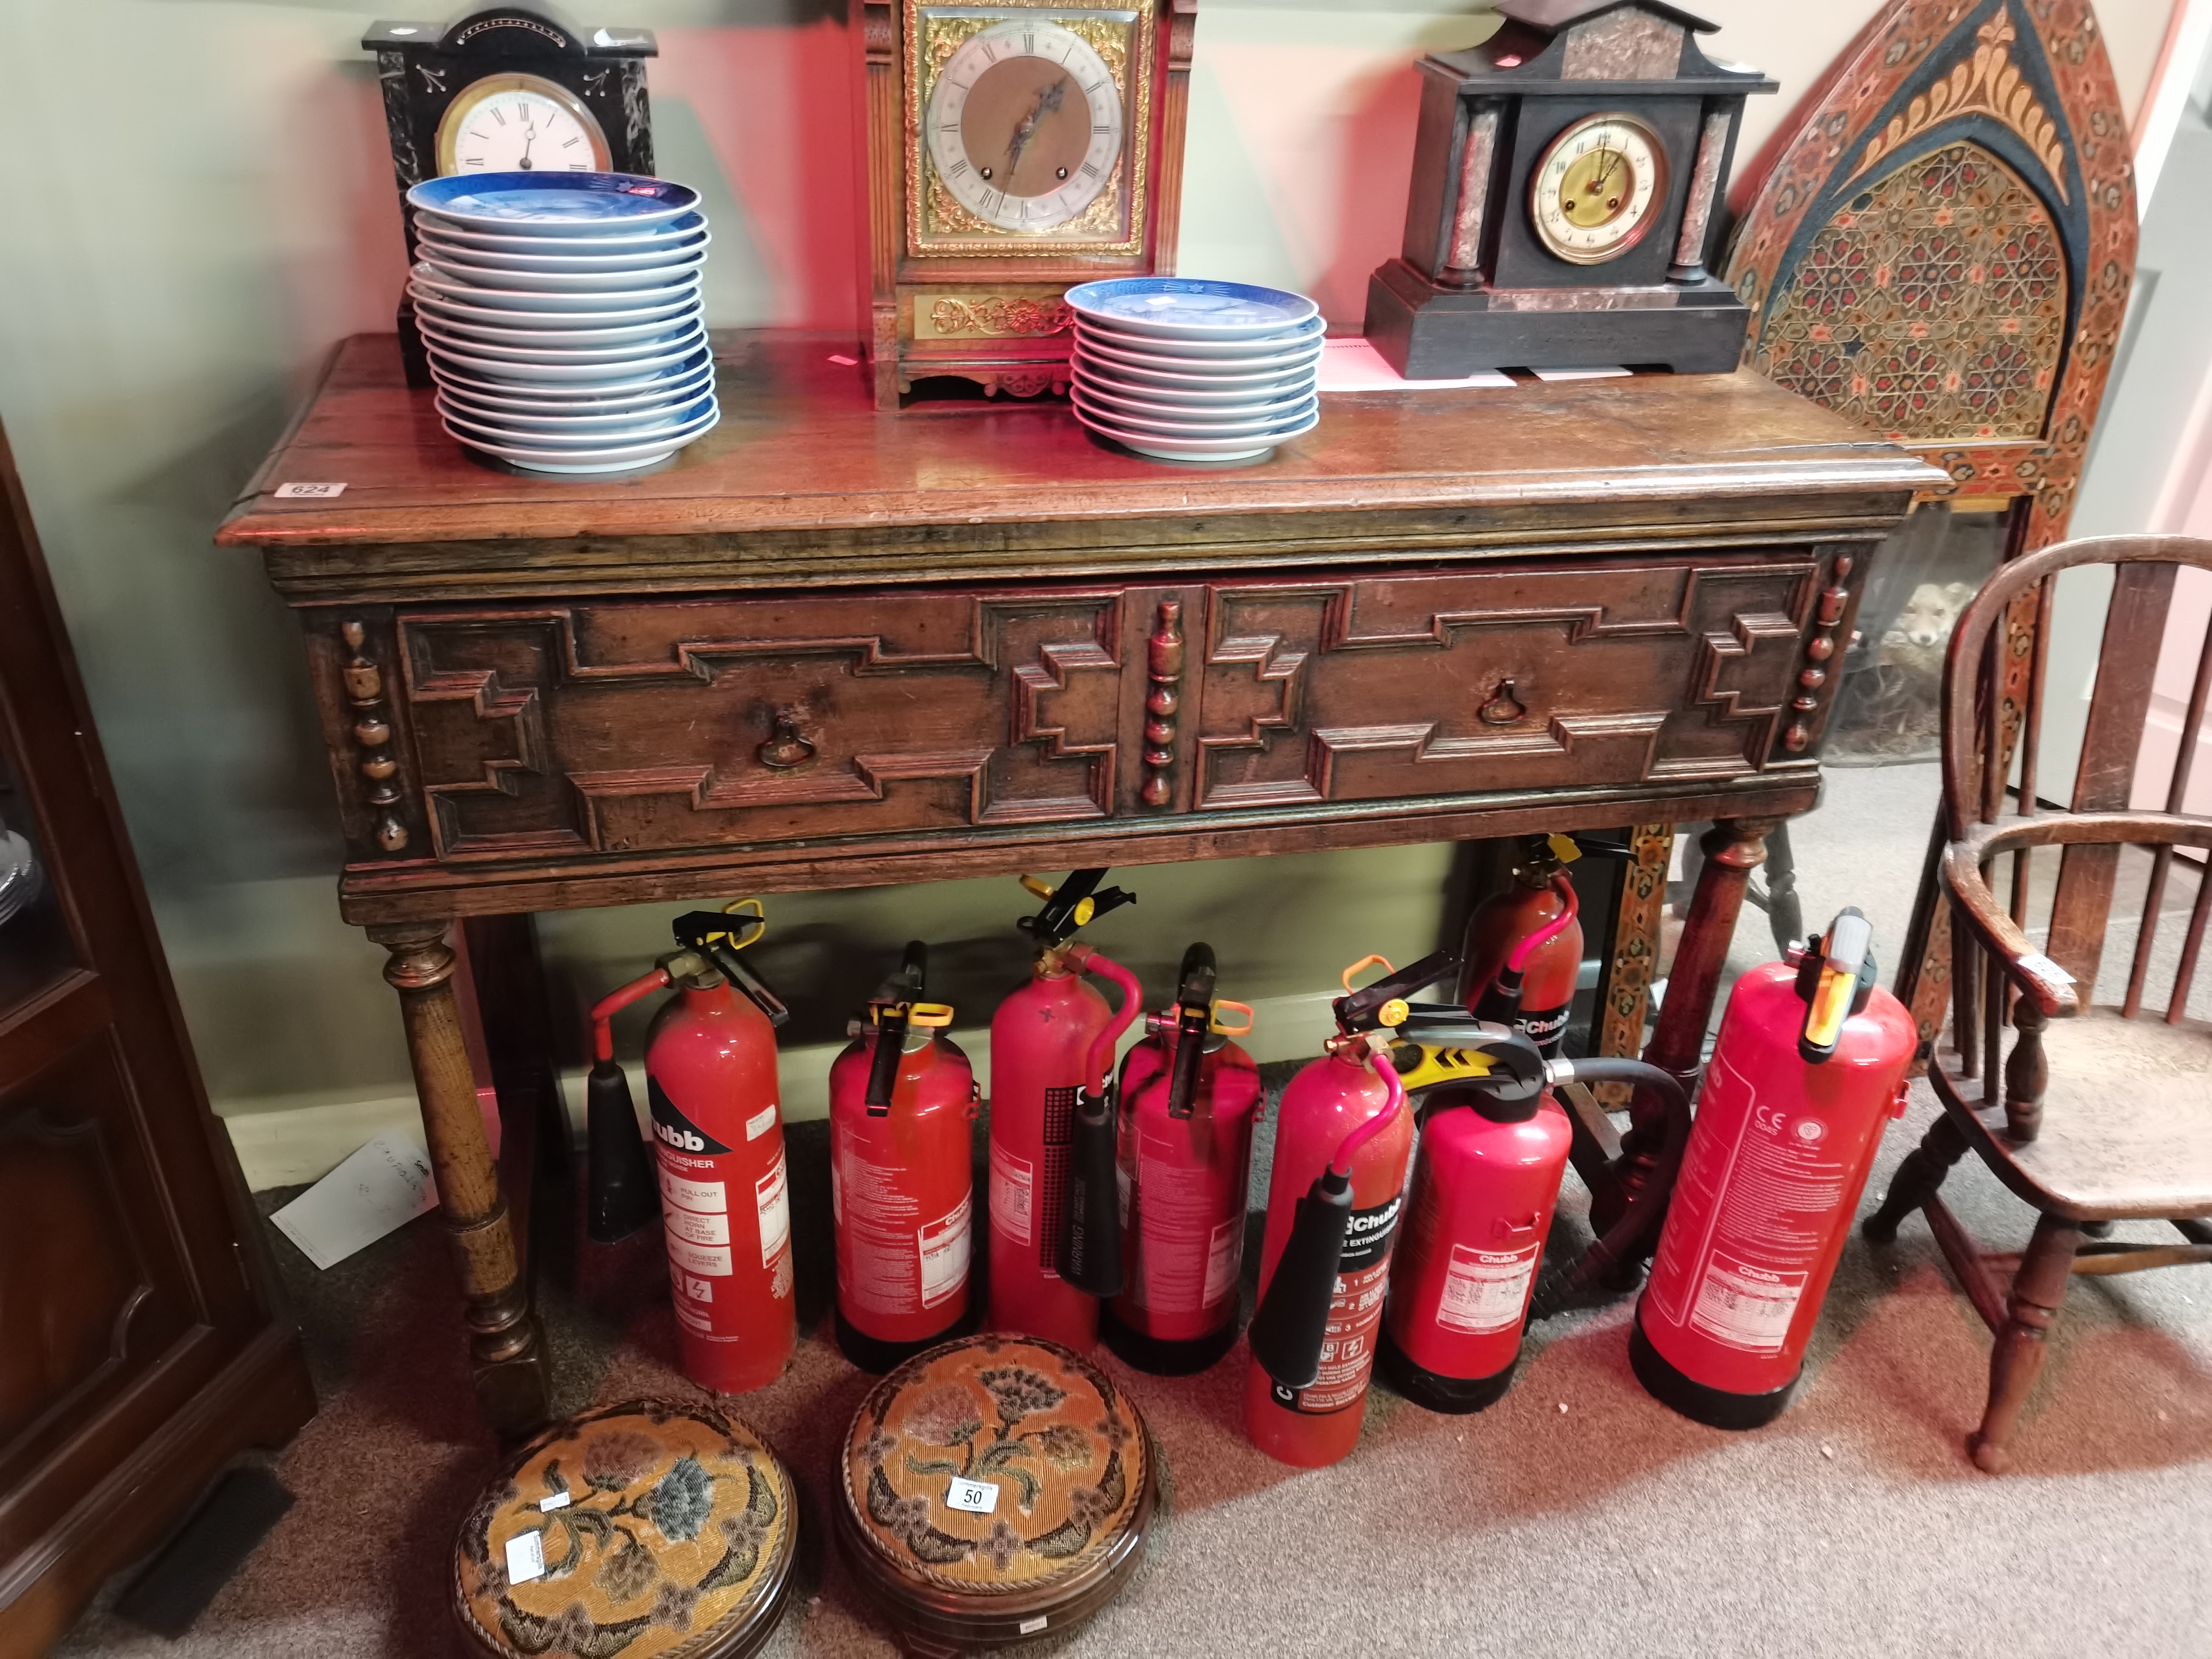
x: 2037, y: 1290
x: 1916, y: 1181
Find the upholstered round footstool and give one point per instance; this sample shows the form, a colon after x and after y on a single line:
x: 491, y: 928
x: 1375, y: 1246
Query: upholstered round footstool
x: 651, y: 1530
x: 993, y: 1491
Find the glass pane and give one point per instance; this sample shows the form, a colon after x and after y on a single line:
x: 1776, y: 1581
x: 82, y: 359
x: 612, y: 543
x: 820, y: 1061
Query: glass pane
x: 34, y: 940
x: 1889, y: 702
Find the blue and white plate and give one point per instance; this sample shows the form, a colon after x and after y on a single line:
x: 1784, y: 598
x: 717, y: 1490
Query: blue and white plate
x: 459, y: 254
x: 1193, y: 449
x: 1178, y: 424
x: 465, y: 234
x: 568, y: 282
x: 630, y: 376
x: 555, y: 204
x: 522, y: 414
x: 624, y: 457
x: 552, y: 322
x: 1306, y: 334
x: 1190, y: 308
x: 470, y: 325
x: 695, y: 418
x: 685, y: 334
x: 461, y: 291
x: 1306, y: 355
x: 1197, y: 391
x: 625, y: 384
x: 1265, y: 412
x: 532, y: 402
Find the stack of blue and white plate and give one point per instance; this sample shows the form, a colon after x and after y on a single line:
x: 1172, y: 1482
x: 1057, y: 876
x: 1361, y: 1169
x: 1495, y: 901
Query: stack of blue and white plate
x: 1188, y: 370
x: 561, y: 312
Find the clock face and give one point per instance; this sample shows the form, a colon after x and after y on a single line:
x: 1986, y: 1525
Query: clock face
x: 1599, y: 186
x: 1024, y: 125
x: 520, y: 124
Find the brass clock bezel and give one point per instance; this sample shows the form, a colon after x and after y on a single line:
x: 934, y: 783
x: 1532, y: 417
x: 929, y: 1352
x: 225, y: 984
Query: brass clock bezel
x: 1135, y: 86
x: 466, y: 99
x: 1661, y: 186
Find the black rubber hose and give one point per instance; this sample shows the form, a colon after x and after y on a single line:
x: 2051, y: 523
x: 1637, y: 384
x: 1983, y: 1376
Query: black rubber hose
x: 1648, y: 1206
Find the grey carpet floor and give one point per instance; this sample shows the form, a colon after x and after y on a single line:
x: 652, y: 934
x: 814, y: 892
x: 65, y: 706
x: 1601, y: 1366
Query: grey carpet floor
x: 1575, y: 1517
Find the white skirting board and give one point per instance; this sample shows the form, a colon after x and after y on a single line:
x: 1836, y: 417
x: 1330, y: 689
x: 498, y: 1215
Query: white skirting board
x: 291, y: 1144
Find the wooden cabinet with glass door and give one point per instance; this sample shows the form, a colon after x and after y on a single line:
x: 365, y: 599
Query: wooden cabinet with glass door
x: 139, y: 1344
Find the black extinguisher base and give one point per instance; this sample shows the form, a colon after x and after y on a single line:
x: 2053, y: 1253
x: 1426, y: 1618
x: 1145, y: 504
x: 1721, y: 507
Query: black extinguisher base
x: 877, y: 1357
x: 1717, y: 1409
x: 1156, y: 1356
x: 1454, y: 1396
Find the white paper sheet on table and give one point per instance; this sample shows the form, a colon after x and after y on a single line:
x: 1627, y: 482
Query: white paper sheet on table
x: 1576, y: 374
x: 383, y: 1185
x: 1351, y: 364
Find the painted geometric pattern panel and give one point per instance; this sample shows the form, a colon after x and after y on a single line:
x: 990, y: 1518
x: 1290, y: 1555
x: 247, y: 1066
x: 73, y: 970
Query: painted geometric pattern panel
x: 1933, y: 309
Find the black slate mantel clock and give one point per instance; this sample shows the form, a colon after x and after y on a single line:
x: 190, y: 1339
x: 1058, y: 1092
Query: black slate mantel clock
x: 509, y: 88
x: 1565, y: 175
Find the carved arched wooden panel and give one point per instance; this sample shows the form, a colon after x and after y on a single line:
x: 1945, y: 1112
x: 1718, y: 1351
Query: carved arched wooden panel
x: 1943, y: 250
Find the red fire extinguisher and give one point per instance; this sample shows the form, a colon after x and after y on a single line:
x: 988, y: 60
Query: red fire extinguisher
x: 1343, y: 1138
x: 902, y: 1190
x: 1181, y: 1162
x: 1045, y: 1038
x: 1809, y: 1069
x: 711, y: 1083
x: 1493, y: 1149
x: 1524, y: 946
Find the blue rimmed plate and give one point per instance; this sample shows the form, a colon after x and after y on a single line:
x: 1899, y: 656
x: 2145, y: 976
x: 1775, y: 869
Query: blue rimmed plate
x: 508, y: 279
x: 430, y: 246
x: 1302, y: 336
x: 681, y: 425
x: 1141, y: 442
x: 1180, y: 423
x: 459, y: 291
x: 638, y: 241
x: 555, y: 204
x: 1191, y: 307
x: 688, y: 335
x: 532, y: 402
x: 1303, y: 356
x: 625, y: 458
x: 632, y: 376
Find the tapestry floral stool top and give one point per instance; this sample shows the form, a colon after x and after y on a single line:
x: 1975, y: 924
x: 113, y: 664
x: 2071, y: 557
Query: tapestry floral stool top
x: 994, y: 1490
x: 670, y: 1536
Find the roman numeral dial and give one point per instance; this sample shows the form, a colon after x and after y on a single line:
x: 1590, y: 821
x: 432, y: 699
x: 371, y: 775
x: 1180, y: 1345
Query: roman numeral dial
x: 520, y: 124
x: 1025, y: 125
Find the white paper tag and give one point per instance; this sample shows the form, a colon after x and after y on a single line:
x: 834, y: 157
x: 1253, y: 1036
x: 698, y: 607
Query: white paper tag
x: 381, y: 1186
x: 772, y: 1198
x: 525, y: 1558
x: 1031, y: 1627
x: 299, y: 492
x: 976, y: 1497
x: 551, y: 1501
x: 761, y: 1121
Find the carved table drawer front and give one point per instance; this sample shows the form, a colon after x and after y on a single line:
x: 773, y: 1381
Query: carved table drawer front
x: 1537, y: 677
x: 632, y: 726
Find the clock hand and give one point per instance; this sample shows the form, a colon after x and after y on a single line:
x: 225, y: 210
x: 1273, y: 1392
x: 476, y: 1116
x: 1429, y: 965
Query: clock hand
x: 1048, y: 103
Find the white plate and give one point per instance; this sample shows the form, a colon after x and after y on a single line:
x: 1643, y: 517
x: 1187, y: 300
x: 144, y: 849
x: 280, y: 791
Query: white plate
x: 452, y: 310
x: 463, y: 234
x: 1267, y: 410
x: 1208, y: 394
x: 488, y: 410
x: 1281, y: 362
x: 624, y: 458
x: 553, y: 439
x: 552, y: 203
x: 1191, y: 307
x: 601, y: 377
x: 541, y: 403
x: 568, y: 282
x: 688, y: 335
x: 1272, y: 383
x: 495, y: 330
x: 1185, y: 449
x: 699, y: 366
x: 461, y: 292
x: 454, y: 253
x: 1289, y: 340
x: 1258, y: 424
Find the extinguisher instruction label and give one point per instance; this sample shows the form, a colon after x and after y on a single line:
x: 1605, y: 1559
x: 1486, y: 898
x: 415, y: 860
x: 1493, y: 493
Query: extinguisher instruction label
x: 711, y: 1260
x: 698, y: 1229
x: 1746, y: 1306
x: 1011, y: 1178
x: 942, y: 1246
x: 1486, y: 1289
x: 774, y: 1201
x: 708, y: 1197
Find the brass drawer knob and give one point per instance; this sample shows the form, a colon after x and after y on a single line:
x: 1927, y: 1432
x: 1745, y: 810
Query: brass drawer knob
x: 786, y: 751
x: 1504, y: 707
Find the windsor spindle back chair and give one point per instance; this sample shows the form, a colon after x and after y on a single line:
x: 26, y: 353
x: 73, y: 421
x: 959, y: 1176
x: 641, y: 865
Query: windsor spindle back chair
x: 2095, y: 1115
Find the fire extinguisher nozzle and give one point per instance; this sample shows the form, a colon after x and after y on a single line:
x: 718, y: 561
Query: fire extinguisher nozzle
x: 1089, y: 1245
x: 1293, y: 1318
x: 624, y: 1196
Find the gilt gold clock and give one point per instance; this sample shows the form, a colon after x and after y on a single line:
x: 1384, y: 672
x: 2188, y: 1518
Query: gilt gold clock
x: 1014, y: 149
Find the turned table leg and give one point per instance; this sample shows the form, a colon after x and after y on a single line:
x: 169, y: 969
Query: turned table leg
x: 505, y: 1347
x: 2037, y: 1290
x: 1733, y: 849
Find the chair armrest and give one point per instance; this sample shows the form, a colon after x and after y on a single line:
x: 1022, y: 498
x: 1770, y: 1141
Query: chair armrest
x: 2048, y: 985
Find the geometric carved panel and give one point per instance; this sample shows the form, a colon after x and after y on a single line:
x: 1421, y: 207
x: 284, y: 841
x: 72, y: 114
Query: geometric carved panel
x: 1934, y: 310
x: 1497, y: 680
x: 637, y: 726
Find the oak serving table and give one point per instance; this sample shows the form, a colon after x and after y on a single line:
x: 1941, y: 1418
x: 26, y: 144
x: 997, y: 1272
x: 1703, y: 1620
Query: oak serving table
x: 826, y: 647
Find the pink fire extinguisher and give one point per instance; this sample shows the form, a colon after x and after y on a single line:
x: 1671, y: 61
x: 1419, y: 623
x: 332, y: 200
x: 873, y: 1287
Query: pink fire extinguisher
x: 1809, y: 1069
x: 1175, y: 1158
x: 1048, y: 1040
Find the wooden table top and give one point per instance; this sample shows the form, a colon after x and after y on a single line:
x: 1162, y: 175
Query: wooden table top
x: 803, y: 475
